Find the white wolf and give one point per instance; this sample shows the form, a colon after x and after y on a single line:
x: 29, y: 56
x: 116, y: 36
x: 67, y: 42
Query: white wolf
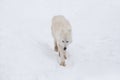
x: 61, y: 31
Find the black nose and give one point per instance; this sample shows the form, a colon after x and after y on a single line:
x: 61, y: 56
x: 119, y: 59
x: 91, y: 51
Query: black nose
x: 65, y: 48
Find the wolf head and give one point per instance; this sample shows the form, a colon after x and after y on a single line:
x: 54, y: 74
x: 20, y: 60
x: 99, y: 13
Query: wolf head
x: 65, y: 39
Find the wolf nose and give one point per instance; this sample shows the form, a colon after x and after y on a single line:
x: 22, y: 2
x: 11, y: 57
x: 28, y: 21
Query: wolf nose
x: 65, y: 48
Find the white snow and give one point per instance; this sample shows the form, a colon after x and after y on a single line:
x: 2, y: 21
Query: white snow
x: 26, y: 43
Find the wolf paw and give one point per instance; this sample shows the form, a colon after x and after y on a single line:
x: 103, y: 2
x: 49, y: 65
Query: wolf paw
x: 63, y: 64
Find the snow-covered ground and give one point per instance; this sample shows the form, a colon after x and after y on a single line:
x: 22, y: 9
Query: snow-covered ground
x: 26, y: 43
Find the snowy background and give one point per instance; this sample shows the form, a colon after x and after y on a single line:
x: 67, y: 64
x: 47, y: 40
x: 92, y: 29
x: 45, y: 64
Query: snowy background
x: 26, y: 43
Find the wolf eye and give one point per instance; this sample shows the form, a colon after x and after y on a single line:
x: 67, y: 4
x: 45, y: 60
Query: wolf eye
x: 67, y: 41
x: 62, y: 41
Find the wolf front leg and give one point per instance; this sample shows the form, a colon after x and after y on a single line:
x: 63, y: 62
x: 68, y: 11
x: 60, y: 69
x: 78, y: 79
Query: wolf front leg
x: 62, y: 58
x: 64, y: 52
x: 55, y: 46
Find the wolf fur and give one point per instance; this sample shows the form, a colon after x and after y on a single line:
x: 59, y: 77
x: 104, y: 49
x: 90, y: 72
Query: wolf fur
x: 61, y: 31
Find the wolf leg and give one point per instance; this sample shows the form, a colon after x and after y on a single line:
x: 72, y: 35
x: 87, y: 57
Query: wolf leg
x: 62, y: 62
x: 64, y: 53
x: 55, y: 46
x: 59, y: 54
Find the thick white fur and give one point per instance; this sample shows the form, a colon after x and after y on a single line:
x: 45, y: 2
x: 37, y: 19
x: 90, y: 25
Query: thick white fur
x: 61, y: 31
